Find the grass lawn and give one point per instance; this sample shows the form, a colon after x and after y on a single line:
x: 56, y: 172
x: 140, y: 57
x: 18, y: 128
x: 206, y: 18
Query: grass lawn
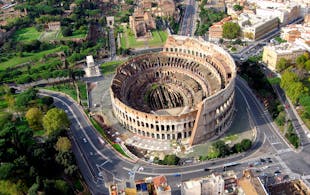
x: 67, y: 88
x: 99, y: 129
x: 82, y: 89
x: 304, y: 119
x: 109, y: 67
x: 123, y: 42
x: 230, y: 138
x: 274, y: 81
x: 119, y: 149
x: 26, y: 34
x: 51, y: 35
x: 3, y: 104
x: 78, y: 34
x: 27, y: 57
x: 116, y: 146
x: 158, y: 39
x: 75, y: 34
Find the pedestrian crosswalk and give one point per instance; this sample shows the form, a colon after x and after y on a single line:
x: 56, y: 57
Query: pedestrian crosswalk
x: 284, y: 150
x: 274, y: 140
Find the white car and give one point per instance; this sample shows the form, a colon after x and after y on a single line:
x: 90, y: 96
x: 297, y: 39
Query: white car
x: 85, y: 140
x: 101, y: 141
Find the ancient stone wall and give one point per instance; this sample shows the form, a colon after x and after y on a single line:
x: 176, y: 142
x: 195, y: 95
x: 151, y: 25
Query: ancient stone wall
x: 185, y: 91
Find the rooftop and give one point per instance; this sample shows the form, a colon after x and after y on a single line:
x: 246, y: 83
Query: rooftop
x: 89, y: 59
x: 252, y: 20
x: 286, y: 47
x: 250, y: 184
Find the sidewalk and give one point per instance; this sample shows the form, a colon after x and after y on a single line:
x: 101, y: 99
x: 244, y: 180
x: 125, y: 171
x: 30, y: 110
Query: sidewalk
x: 149, y: 144
x: 299, y: 126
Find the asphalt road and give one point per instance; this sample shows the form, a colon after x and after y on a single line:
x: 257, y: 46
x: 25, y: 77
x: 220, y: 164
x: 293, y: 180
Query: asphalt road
x: 188, y: 22
x: 100, y: 164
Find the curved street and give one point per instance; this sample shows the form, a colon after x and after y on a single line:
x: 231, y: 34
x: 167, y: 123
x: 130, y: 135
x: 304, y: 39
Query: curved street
x: 100, y: 164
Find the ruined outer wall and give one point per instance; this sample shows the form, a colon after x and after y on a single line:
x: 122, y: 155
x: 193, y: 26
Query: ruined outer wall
x: 214, y: 114
x: 208, y: 118
x: 151, y: 125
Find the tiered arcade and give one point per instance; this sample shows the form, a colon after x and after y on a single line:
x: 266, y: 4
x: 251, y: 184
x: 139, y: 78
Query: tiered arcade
x: 184, y: 91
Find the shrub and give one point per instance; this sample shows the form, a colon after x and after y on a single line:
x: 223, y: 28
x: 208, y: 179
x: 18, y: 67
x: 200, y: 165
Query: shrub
x: 171, y: 159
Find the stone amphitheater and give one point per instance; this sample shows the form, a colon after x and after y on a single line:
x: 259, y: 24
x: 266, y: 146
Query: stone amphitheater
x: 186, y: 91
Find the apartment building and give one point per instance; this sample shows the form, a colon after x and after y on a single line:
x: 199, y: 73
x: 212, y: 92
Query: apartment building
x: 225, y: 183
x: 254, y: 27
x: 289, y: 51
x: 292, y: 32
x: 286, y: 11
x: 216, y: 30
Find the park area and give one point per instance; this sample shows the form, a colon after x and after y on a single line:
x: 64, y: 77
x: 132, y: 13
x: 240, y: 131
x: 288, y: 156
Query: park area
x: 26, y: 35
x: 128, y: 39
x: 29, y: 57
x: 110, y: 67
x: 69, y: 89
x: 31, y: 34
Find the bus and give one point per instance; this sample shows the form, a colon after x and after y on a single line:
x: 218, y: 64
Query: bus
x: 231, y: 164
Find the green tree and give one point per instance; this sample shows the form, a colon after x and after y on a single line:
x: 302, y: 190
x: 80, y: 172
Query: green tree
x: 67, y: 31
x: 5, y: 117
x: 71, y: 169
x: 6, y: 170
x: 237, y: 148
x: 237, y: 7
x: 246, y: 144
x: 280, y: 120
x: 287, y: 78
x: 129, y: 2
x: 22, y: 100
x: 282, y: 64
x: 218, y: 149
x: 34, y: 118
x: 213, y: 152
x: 55, y: 120
x: 307, y: 65
x: 171, y: 159
x: 10, y: 101
x: 300, y: 60
x: 293, y: 139
x: 33, y: 190
x: 296, y: 90
x: 63, y: 144
x: 231, y: 30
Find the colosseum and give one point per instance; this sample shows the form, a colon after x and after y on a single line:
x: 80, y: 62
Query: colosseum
x: 185, y: 91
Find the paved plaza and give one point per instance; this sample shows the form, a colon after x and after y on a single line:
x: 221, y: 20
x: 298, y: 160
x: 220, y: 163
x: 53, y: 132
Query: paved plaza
x: 101, y: 102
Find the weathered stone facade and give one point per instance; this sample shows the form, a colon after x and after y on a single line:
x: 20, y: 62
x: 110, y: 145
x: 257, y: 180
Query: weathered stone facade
x: 141, y: 23
x: 184, y: 91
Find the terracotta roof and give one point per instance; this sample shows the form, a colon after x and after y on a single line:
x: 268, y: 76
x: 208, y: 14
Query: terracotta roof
x: 159, y: 180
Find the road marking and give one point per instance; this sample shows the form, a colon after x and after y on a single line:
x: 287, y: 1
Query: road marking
x: 267, y: 119
x: 117, y: 179
x: 104, y: 163
x: 274, y: 143
x: 83, y: 130
x: 151, y: 173
x: 305, y: 177
x: 284, y: 151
